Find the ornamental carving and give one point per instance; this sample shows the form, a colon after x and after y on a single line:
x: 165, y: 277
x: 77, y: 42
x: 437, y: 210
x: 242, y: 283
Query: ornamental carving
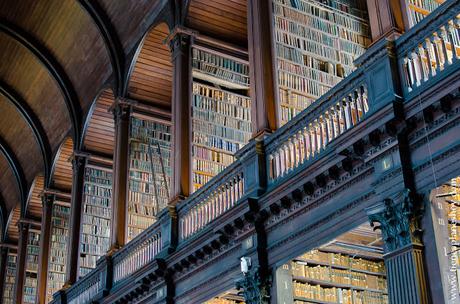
x: 399, y: 222
x: 255, y: 288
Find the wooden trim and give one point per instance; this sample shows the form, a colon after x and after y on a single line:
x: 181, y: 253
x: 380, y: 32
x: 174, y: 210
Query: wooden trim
x: 18, y: 172
x: 111, y: 40
x: 33, y: 122
x: 51, y: 64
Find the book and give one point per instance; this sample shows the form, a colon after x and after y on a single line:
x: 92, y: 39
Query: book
x: 10, y: 279
x: 316, y: 43
x: 31, y: 267
x: 96, y: 217
x: 150, y: 144
x: 58, y: 248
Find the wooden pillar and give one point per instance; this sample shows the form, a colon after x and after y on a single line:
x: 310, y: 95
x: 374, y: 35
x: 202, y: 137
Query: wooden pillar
x: 3, y: 261
x: 122, y: 114
x: 386, y: 18
x: 399, y: 221
x: 181, y: 185
x: 21, y: 261
x: 76, y: 204
x: 262, y: 66
x: 45, y: 237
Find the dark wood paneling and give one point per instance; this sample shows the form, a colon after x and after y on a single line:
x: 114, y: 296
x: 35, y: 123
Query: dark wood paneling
x: 99, y: 135
x: 68, y: 32
x: 133, y: 19
x: 62, y: 175
x: 34, y: 203
x: 151, y: 78
x: 21, y: 140
x: 8, y: 185
x: 25, y: 75
x: 223, y: 19
x: 12, y: 233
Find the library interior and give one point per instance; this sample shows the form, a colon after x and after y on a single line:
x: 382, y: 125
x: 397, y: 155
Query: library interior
x: 230, y: 151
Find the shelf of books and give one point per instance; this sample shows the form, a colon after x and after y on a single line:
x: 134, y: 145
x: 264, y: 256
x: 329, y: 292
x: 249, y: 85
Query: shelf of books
x: 330, y: 277
x: 232, y: 296
x: 58, y: 248
x: 419, y: 9
x: 150, y: 145
x: 31, y: 275
x: 221, y: 112
x: 97, y: 209
x: 316, y: 43
x: 10, y: 277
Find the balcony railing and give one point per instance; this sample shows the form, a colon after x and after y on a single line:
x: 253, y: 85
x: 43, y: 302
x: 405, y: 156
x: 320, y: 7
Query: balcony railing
x: 423, y: 56
x: 431, y: 49
x: 215, y: 198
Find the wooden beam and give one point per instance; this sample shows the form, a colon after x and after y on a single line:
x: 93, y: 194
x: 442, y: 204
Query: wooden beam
x: 111, y: 41
x: 34, y: 124
x: 18, y: 172
x: 51, y: 64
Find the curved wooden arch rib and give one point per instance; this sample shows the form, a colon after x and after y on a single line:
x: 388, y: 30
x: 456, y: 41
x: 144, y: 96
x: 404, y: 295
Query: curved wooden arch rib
x: 17, y: 171
x: 55, y: 70
x: 111, y: 41
x: 63, y: 147
x: 3, y: 219
x: 33, y: 122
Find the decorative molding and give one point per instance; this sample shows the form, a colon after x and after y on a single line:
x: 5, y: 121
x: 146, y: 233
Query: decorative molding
x: 399, y: 221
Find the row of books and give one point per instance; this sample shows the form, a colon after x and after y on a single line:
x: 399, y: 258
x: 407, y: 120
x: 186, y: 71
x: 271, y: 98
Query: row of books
x: 148, y: 186
x: 312, y: 41
x: 238, y: 121
x: 30, y: 289
x: 212, y: 95
x: 57, y: 261
x: 221, y: 107
x: 214, y: 129
x: 97, y: 210
x: 215, y: 156
x: 10, y: 278
x: 306, y: 293
x: 419, y: 9
x: 199, y: 55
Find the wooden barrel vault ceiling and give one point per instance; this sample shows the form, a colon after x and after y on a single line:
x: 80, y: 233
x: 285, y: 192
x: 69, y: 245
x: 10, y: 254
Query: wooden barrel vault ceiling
x: 62, y: 62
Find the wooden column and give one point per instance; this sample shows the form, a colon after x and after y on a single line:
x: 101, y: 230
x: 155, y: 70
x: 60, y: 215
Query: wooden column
x: 45, y: 237
x: 122, y: 114
x: 76, y: 204
x: 181, y: 185
x: 3, y: 261
x: 399, y: 221
x: 262, y: 67
x: 386, y: 18
x: 21, y: 261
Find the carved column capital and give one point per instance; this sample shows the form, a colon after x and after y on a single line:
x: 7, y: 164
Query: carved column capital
x: 399, y: 221
x: 121, y: 110
x: 179, y: 43
x: 78, y: 161
x: 256, y: 288
x: 48, y: 199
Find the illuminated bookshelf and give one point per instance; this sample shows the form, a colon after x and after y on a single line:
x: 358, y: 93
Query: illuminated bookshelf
x: 10, y: 277
x: 315, y: 46
x: 96, y: 217
x: 147, y: 194
x: 221, y: 112
x: 31, y: 268
x: 58, y: 248
x: 419, y: 9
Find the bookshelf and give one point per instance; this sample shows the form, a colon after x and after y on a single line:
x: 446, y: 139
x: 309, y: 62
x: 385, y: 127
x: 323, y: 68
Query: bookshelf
x: 221, y: 112
x: 10, y: 277
x: 232, y: 296
x: 419, y: 9
x: 31, y: 275
x: 315, y: 45
x: 58, y: 248
x: 329, y: 277
x: 96, y: 217
x: 148, y: 189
